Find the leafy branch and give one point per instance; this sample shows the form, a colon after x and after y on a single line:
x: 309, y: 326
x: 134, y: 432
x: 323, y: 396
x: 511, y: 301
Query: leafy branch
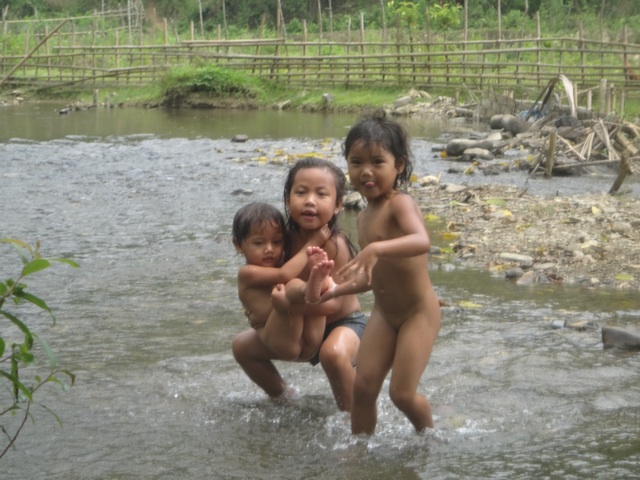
x: 20, y: 354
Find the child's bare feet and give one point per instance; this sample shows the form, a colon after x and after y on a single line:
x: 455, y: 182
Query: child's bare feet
x: 279, y: 298
x: 318, y: 280
x: 315, y: 255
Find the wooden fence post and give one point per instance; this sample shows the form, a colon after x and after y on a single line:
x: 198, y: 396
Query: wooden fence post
x: 602, y: 96
x: 538, y: 48
x: 551, y: 153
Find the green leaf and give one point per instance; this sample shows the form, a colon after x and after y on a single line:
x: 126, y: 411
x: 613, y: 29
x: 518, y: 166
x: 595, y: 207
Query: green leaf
x: 2, y: 347
x: 35, y: 266
x: 495, y: 201
x: 65, y: 260
x: 24, y: 250
x: 48, y: 351
x: 16, y: 242
x: 55, y: 415
x: 624, y: 277
x: 17, y: 384
x: 28, y: 338
x: 36, y: 301
x: 54, y: 379
x: 71, y: 376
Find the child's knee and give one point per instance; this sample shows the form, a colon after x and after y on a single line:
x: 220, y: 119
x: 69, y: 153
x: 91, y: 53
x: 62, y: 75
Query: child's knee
x: 402, y: 399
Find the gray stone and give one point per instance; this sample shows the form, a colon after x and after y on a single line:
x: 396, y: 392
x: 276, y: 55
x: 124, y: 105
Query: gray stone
x: 529, y: 278
x: 524, y: 261
x: 402, y: 101
x: 354, y: 201
x: 621, y: 227
x: 516, y: 272
x: 481, y: 153
x: 618, y: 338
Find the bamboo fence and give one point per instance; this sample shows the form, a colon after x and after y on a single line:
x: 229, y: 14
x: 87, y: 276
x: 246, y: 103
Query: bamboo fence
x: 427, y: 62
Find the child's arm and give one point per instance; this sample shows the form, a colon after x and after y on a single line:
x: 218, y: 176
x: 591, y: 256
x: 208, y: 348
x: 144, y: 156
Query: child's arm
x: 358, y: 285
x: 256, y: 276
x: 414, y: 241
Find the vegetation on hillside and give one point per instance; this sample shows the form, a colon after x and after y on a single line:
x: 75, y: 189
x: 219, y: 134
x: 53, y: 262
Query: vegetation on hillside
x: 240, y: 16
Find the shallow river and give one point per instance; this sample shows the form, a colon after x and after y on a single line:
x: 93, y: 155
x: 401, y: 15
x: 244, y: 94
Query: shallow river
x: 143, y: 201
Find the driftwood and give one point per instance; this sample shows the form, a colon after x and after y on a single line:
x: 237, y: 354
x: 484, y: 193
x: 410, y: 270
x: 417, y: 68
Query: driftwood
x: 564, y: 139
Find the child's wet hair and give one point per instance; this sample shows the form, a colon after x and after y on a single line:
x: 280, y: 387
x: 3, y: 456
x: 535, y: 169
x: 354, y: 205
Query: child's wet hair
x: 315, y: 162
x: 378, y: 129
x: 255, y: 215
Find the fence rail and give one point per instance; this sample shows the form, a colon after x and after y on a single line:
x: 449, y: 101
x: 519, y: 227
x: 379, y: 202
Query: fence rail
x: 508, y: 64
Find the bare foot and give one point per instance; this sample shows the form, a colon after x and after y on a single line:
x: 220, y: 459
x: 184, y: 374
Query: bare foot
x: 317, y: 280
x: 279, y: 298
x: 315, y: 255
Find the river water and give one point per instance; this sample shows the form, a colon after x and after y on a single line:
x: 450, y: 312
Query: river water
x: 143, y: 201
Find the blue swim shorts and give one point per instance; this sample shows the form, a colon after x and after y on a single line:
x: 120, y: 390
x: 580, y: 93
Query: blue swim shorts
x: 356, y: 321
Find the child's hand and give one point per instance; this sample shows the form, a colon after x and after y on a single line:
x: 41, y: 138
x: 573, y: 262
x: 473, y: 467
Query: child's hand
x: 320, y: 237
x: 362, y: 264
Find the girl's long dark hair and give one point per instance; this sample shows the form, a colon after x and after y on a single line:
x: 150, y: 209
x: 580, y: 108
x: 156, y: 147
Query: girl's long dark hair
x: 340, y: 184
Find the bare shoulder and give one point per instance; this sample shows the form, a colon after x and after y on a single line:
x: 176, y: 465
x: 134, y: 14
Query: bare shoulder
x: 342, y: 253
x: 403, y: 201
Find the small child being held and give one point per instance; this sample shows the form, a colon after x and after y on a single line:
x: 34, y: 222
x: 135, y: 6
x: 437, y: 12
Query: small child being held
x: 394, y: 242
x: 259, y: 235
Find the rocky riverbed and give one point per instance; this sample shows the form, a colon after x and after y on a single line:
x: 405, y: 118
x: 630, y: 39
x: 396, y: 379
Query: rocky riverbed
x: 591, y: 240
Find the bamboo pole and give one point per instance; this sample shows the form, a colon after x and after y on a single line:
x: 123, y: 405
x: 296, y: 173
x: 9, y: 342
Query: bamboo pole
x: 304, y: 49
x: 29, y: 55
x: 551, y: 153
x: 5, y: 12
x: 539, y: 45
x: 319, y: 26
x: 224, y: 19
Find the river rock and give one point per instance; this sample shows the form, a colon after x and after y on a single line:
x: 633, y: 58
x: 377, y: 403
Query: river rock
x: 618, y: 338
x: 429, y: 180
x: 529, y: 278
x: 509, y: 123
x: 621, y: 227
x: 402, y: 101
x: 516, y: 272
x: 457, y: 147
x: 239, y: 138
x: 354, y: 201
x: 327, y: 99
x: 478, y: 153
x: 525, y: 261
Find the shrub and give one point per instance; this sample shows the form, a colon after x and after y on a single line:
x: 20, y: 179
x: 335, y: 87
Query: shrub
x: 19, y: 393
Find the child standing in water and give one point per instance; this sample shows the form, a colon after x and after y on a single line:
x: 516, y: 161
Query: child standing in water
x: 405, y: 319
x: 259, y: 235
x: 313, y: 193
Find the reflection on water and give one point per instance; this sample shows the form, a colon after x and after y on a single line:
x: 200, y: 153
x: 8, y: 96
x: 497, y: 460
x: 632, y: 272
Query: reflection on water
x: 147, y: 321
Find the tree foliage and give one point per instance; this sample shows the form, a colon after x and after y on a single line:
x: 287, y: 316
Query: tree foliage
x: 248, y: 13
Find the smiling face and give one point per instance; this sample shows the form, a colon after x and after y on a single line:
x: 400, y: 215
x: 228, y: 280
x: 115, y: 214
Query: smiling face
x: 372, y: 169
x: 264, y: 246
x: 312, y: 199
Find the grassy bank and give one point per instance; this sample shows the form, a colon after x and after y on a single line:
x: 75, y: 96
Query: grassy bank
x: 215, y: 87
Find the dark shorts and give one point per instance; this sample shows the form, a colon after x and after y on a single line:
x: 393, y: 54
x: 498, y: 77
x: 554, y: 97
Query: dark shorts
x: 356, y: 321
